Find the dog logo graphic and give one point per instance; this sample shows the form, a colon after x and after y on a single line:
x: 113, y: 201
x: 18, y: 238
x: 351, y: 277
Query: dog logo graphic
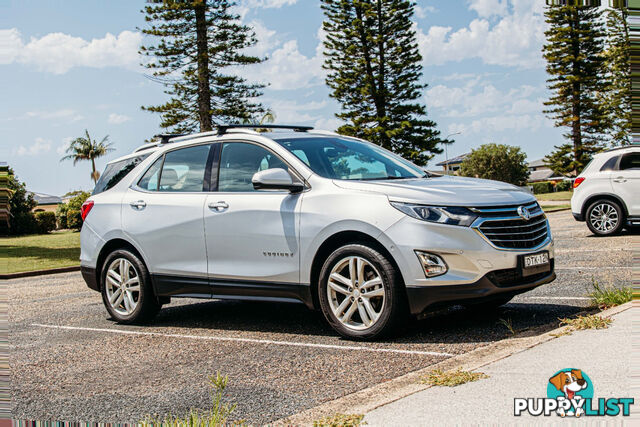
x: 572, y: 385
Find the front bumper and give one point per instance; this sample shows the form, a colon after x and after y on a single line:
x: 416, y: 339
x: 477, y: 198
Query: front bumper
x: 424, y: 298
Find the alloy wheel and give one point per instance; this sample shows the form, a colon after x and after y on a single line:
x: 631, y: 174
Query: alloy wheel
x: 356, y: 293
x: 122, y: 286
x: 604, y: 217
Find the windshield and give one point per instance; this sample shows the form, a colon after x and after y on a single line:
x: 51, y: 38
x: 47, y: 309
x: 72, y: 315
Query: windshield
x: 350, y: 159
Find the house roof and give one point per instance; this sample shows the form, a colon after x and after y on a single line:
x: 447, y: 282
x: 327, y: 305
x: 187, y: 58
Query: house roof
x: 455, y: 160
x: 540, y: 175
x: 537, y: 163
x: 46, y: 199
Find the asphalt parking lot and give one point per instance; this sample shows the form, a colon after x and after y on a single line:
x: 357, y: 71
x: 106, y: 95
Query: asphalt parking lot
x: 70, y: 362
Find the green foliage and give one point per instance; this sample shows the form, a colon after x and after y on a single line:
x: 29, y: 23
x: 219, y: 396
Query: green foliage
x: 195, y: 42
x: 74, y: 219
x: 563, y: 186
x: 76, y: 201
x: 499, y: 162
x: 85, y: 148
x: 574, y: 54
x: 617, y: 67
x: 45, y: 221
x: 61, y: 215
x: 21, y: 204
x: 218, y: 415
x: 542, y: 187
x: 340, y: 420
x: 373, y: 70
x: 609, y: 297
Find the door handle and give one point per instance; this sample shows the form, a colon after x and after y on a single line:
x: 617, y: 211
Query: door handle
x: 218, y: 206
x: 139, y: 204
x: 620, y: 179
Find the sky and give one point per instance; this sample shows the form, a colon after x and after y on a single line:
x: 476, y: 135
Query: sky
x: 71, y: 65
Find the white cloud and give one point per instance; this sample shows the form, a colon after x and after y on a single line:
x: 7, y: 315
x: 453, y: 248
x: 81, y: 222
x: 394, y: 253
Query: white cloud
x: 62, y: 148
x: 40, y: 146
x: 328, y: 124
x: 116, y: 119
x: 66, y: 114
x: 268, y: 4
x: 500, y: 123
x: 293, y: 112
x: 423, y: 11
x: 515, y: 40
x: 57, y: 52
x: 488, y: 8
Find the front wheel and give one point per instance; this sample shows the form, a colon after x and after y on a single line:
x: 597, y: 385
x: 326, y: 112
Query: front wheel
x: 605, y: 218
x: 360, y: 293
x: 126, y: 288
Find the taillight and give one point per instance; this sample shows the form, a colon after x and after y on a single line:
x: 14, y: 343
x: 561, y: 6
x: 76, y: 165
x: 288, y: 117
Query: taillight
x: 86, y: 208
x: 577, y: 182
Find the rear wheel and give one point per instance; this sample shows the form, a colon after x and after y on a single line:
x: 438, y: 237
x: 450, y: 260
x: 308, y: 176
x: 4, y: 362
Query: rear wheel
x: 126, y: 288
x: 360, y: 293
x: 605, y: 218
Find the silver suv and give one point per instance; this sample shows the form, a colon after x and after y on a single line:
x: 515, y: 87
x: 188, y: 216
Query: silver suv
x: 298, y: 215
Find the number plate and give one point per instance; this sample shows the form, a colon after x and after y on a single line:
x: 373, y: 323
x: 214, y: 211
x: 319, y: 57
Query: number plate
x: 535, y: 263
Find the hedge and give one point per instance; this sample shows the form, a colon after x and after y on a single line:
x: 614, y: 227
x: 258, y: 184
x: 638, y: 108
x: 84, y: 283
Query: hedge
x: 74, y: 219
x: 45, y: 221
x: 563, y: 186
x: 542, y: 187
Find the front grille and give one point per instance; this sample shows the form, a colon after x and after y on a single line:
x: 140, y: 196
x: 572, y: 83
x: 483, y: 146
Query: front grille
x: 510, y: 231
x: 513, y: 277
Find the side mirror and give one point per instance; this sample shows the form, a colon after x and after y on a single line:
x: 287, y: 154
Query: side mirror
x: 275, y: 179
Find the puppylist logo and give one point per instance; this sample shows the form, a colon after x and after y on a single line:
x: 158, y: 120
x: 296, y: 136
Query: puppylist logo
x: 570, y: 394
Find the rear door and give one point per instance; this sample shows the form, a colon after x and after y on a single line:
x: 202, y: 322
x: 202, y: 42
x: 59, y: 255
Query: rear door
x: 626, y: 181
x: 163, y: 215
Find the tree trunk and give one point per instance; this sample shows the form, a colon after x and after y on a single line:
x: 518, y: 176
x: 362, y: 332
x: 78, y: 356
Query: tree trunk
x: 576, y: 128
x: 202, y: 45
x: 94, y: 173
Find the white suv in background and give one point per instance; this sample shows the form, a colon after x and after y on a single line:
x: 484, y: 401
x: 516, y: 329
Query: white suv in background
x: 607, y: 193
x: 298, y: 215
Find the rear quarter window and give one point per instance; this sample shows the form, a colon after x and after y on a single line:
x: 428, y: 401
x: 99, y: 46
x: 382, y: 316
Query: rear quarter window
x: 115, y: 172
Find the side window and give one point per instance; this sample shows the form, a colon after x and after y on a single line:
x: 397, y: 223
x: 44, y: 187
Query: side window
x: 115, y: 172
x: 183, y: 169
x: 630, y: 161
x: 239, y: 161
x: 149, y: 180
x: 610, y: 164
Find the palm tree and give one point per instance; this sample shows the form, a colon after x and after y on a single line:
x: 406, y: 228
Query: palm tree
x: 85, y: 148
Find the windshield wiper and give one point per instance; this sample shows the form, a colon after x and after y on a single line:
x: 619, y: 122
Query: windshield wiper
x: 388, y: 177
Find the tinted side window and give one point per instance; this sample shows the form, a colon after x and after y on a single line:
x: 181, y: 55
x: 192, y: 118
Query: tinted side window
x: 115, y: 172
x: 183, y: 170
x: 610, y: 164
x: 151, y: 177
x: 630, y: 161
x: 240, y: 161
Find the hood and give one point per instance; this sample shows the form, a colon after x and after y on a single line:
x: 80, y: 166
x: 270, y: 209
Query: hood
x: 444, y: 191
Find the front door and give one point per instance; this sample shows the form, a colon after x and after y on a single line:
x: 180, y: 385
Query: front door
x: 252, y: 236
x: 626, y: 182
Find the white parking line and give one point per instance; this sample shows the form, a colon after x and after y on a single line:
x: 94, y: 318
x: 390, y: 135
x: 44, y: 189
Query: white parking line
x: 559, y: 298
x: 250, y: 340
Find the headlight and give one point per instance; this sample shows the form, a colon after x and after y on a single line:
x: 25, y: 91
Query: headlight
x: 452, y: 215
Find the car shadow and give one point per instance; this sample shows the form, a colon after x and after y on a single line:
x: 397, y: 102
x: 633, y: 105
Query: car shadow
x: 449, y: 326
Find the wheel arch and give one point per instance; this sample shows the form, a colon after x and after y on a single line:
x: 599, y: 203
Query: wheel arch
x: 110, y: 246
x: 603, y: 196
x: 336, y: 241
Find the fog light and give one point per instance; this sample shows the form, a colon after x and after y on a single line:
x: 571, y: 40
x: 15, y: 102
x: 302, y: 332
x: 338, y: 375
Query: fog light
x: 432, y: 264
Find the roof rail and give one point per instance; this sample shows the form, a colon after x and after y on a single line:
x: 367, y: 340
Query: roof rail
x: 165, y: 137
x: 622, y: 147
x: 222, y: 129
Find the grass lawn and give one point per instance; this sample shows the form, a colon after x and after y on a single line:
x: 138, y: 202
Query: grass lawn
x: 39, y: 252
x: 554, y: 208
x: 559, y: 195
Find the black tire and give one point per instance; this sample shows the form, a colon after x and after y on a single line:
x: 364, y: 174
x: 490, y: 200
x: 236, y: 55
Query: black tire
x: 147, y: 303
x: 596, y: 227
x: 394, y: 310
x: 489, y: 306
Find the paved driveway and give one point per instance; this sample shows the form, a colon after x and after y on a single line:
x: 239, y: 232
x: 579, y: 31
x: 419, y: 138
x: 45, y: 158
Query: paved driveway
x: 70, y: 362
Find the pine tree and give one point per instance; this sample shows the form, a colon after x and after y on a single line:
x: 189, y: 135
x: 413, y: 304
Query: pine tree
x: 196, y: 42
x: 574, y: 54
x: 373, y: 64
x: 617, y: 96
